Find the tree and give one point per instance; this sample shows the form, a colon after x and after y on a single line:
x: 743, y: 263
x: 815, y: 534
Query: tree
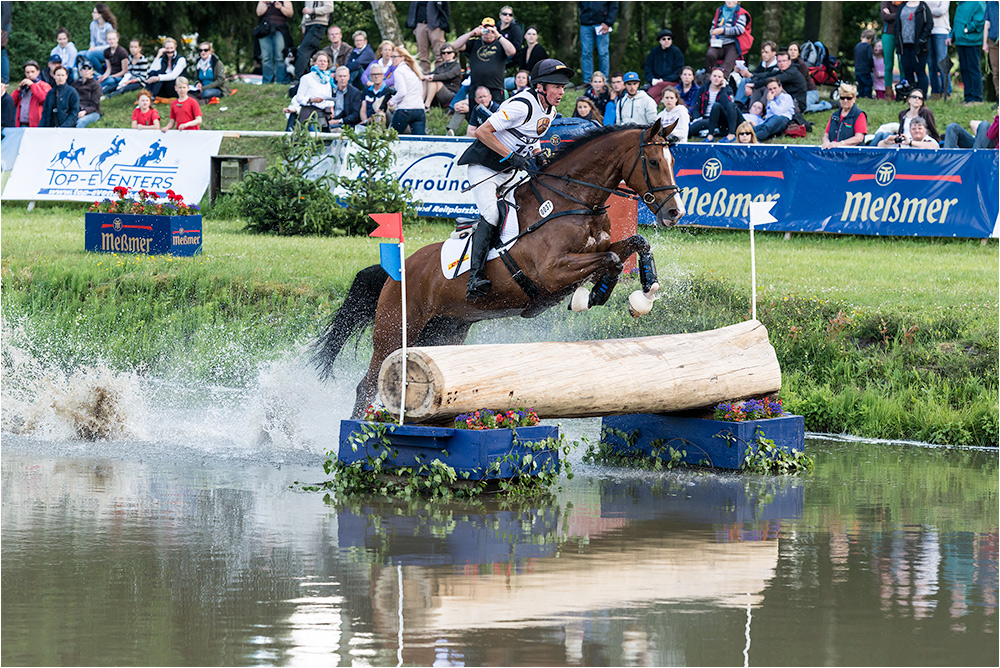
x: 831, y: 26
x: 771, y: 29
x: 385, y: 18
x: 621, y: 34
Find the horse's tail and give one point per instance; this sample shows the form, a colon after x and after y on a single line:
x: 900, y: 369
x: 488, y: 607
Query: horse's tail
x: 356, y: 313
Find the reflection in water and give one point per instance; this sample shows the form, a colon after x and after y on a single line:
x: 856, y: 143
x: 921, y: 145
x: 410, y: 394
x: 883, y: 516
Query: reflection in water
x: 223, y: 563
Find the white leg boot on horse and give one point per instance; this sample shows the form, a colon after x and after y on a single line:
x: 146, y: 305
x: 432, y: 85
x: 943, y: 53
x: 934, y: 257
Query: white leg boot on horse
x: 482, y: 242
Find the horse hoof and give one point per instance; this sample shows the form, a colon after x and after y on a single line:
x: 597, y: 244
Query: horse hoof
x: 581, y: 300
x: 639, y: 304
x: 651, y: 293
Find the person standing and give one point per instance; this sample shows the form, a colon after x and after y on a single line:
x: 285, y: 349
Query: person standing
x: 408, y: 102
x: 888, y: 15
x: 315, y: 19
x: 62, y: 104
x: 596, y: 20
x: 510, y: 28
x: 89, y: 92
x: 270, y: 34
x: 970, y: 17
x: 488, y: 52
x: 990, y: 33
x: 864, y: 63
x: 430, y: 22
x: 913, y: 35
x: 940, y: 41
x: 185, y: 112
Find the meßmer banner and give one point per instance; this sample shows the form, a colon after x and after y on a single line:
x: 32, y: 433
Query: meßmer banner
x: 868, y: 191
x: 86, y: 165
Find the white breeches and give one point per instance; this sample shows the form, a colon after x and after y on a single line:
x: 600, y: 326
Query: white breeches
x: 485, y: 194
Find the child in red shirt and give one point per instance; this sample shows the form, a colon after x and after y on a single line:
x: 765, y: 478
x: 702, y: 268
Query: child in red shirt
x: 185, y: 112
x: 145, y: 116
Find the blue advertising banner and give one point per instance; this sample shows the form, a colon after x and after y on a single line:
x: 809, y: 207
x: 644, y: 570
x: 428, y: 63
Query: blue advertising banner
x: 869, y: 191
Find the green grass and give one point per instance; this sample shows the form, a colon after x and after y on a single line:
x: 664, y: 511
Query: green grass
x: 887, y: 338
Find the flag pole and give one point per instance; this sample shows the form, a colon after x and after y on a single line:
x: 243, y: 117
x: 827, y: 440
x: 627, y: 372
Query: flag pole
x: 402, y: 283
x: 760, y: 214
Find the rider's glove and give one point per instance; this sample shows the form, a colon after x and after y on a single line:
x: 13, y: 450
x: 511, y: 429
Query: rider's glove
x: 518, y: 161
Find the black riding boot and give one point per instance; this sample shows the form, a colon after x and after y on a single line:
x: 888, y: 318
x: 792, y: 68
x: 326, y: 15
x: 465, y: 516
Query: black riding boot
x: 482, y: 242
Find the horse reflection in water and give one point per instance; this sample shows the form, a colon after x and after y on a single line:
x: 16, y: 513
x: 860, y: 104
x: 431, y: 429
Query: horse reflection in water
x: 553, y: 259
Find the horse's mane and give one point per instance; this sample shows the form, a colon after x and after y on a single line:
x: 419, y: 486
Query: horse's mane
x: 566, y: 148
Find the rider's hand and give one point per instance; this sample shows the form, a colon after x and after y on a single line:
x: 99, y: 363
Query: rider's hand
x: 519, y: 161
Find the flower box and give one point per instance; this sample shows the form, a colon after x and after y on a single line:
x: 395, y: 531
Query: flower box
x: 716, y: 443
x: 476, y: 454
x: 142, y: 234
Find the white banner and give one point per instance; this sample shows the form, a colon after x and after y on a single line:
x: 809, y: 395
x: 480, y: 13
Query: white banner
x: 87, y: 165
x: 428, y: 167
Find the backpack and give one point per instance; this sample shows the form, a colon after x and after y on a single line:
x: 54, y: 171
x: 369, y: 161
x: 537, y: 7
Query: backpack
x: 821, y: 55
x: 744, y: 41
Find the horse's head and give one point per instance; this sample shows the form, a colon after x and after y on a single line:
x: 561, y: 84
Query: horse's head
x: 655, y: 181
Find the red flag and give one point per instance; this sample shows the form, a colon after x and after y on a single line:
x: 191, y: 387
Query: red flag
x: 389, y: 225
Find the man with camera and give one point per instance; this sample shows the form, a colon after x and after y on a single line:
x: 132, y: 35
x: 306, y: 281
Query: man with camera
x: 918, y: 137
x: 29, y: 98
x: 488, y: 52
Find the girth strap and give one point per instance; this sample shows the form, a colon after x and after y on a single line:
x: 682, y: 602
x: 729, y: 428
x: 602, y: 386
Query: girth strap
x: 519, y: 277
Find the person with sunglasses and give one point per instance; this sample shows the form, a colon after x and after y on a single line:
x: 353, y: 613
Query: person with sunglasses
x: 210, y: 75
x: 488, y: 53
x: 442, y: 84
x: 848, y: 125
x: 915, y: 108
x: 745, y: 134
x: 663, y: 64
x: 510, y: 28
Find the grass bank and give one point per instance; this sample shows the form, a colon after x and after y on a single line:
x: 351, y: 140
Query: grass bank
x: 886, y: 338
x: 258, y: 107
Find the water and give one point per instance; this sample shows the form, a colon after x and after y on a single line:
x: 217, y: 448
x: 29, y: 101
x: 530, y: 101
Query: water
x: 182, y: 539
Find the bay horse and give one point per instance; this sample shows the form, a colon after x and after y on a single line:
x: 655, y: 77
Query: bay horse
x: 554, y: 254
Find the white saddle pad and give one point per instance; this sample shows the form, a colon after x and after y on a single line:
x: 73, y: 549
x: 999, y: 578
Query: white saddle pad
x: 456, y: 246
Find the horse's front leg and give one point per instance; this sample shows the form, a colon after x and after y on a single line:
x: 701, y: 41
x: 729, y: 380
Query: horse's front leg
x: 640, y: 301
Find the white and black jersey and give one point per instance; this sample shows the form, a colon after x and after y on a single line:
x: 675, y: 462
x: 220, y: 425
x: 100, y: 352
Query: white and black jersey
x: 520, y: 123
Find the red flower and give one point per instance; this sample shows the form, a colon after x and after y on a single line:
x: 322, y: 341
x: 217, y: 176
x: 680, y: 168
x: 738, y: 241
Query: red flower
x: 121, y: 191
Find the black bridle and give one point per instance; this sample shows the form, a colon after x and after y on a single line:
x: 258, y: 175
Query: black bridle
x: 649, y: 197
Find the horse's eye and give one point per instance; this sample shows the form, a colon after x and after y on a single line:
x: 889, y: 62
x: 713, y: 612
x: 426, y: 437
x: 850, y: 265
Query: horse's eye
x: 654, y: 164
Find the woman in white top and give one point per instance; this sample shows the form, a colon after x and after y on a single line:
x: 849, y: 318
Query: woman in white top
x: 315, y: 92
x: 674, y: 110
x: 409, y: 98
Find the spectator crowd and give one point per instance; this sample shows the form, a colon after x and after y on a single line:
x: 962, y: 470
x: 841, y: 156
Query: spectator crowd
x: 742, y: 93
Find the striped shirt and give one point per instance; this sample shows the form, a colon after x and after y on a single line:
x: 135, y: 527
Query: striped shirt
x: 138, y: 68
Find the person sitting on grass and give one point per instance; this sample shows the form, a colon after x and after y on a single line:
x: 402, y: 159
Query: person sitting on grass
x: 90, y: 95
x: 780, y: 109
x: 848, y: 125
x: 166, y: 68
x: 674, y: 110
x: 756, y: 114
x: 442, y: 84
x: 116, y: 63
x: 918, y: 137
x: 983, y: 135
x: 138, y: 70
x: 211, y: 75
x: 377, y: 96
x: 585, y: 109
x: 185, y: 113
x: 145, y: 116
x: 715, y: 113
x: 62, y: 103
x: 66, y: 50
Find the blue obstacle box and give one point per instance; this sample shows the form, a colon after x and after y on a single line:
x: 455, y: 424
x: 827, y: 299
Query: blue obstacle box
x: 486, y: 454
x: 715, y: 443
x: 143, y: 235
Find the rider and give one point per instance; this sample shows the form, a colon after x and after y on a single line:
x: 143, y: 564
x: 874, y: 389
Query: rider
x: 503, y: 145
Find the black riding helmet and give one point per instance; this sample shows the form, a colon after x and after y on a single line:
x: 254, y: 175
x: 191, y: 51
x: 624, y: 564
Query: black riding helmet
x: 551, y: 71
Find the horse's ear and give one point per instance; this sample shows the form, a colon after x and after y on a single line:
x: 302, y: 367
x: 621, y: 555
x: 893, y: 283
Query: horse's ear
x: 655, y: 130
x: 668, y: 129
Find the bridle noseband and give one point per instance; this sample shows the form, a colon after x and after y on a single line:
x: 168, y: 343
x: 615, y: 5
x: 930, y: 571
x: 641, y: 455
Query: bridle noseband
x: 649, y: 197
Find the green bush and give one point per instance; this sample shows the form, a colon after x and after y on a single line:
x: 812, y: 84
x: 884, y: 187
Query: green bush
x: 286, y: 204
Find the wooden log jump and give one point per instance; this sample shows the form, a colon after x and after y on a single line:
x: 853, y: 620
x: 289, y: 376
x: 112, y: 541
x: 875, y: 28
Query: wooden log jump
x: 654, y: 374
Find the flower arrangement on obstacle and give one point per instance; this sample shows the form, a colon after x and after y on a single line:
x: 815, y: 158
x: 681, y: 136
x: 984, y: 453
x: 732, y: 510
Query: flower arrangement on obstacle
x: 484, y: 418
x: 145, y: 203
x: 752, y: 409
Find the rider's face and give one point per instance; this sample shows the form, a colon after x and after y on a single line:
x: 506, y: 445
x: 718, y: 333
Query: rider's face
x: 554, y: 93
